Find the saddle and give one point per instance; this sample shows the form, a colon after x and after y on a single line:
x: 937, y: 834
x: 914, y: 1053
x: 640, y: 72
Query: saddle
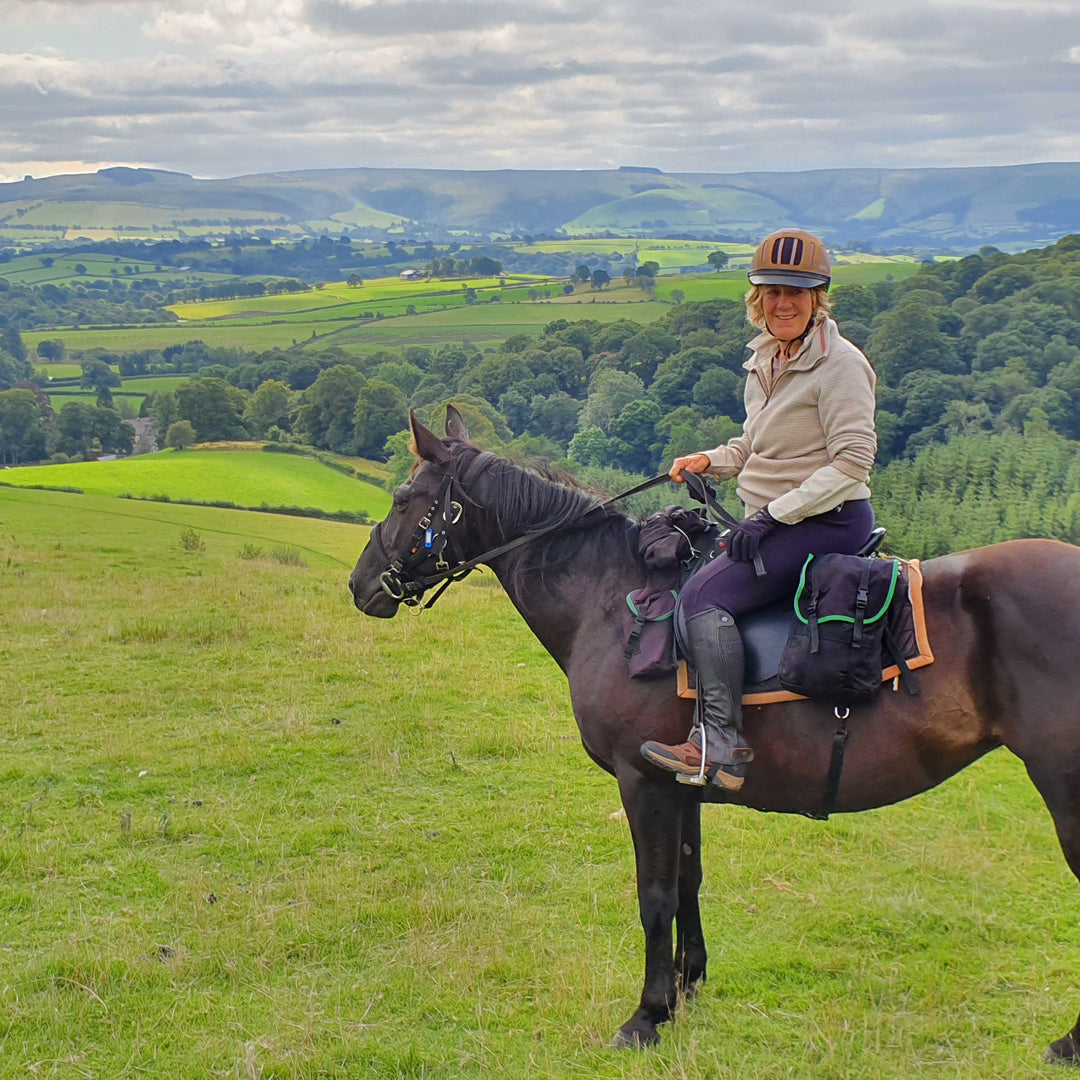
x: 766, y: 633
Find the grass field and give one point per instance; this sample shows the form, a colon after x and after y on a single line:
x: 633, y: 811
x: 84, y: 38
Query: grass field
x: 345, y: 315
x: 249, y: 833
x: 160, y: 335
x: 32, y: 270
x: 247, y: 478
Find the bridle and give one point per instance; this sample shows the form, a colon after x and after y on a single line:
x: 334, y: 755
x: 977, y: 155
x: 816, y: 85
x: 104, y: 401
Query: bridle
x: 433, y: 538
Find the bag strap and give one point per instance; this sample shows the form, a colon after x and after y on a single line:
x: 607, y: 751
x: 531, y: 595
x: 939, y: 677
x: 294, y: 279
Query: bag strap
x: 907, y: 676
x: 862, y: 599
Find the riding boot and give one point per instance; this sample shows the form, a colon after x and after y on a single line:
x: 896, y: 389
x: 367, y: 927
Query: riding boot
x: 715, y: 649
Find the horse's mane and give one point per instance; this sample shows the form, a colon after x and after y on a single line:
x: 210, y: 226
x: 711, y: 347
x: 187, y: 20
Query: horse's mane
x: 529, y: 499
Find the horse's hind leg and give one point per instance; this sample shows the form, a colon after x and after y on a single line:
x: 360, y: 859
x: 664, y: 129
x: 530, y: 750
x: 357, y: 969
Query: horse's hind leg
x: 1060, y: 789
x: 690, y: 953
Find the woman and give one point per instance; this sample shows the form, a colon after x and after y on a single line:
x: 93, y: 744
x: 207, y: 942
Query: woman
x: 802, y: 464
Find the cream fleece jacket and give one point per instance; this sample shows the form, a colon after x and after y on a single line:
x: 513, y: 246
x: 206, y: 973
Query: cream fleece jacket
x: 809, y: 440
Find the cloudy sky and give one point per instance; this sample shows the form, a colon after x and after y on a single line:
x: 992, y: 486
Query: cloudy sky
x: 227, y: 87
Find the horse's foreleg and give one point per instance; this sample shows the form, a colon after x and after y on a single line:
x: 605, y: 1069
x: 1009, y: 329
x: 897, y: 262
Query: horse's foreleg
x: 690, y: 953
x: 654, y: 809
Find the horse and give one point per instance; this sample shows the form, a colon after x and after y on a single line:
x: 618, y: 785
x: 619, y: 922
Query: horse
x: 1004, y: 621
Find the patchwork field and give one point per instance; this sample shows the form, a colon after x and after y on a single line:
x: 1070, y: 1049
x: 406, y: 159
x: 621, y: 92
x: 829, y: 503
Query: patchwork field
x: 389, y: 313
x: 250, y: 833
x: 243, y: 477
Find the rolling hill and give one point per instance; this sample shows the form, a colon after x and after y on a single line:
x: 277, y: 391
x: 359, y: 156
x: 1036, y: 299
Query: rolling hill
x: 1017, y: 205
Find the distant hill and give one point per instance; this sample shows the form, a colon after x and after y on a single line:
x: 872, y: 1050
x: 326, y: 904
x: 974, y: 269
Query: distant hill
x: 938, y: 208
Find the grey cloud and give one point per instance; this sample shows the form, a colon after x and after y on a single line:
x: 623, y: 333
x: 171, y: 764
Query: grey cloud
x: 423, y: 17
x: 684, y: 86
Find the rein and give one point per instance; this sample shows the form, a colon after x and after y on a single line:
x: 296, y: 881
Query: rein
x: 398, y: 580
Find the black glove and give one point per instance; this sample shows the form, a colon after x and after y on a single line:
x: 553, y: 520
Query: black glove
x: 744, y: 542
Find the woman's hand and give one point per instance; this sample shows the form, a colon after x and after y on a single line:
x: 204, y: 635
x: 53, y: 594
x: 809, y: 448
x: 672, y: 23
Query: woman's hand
x: 745, y: 542
x: 695, y: 463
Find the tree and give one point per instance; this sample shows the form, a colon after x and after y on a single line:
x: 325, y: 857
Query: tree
x: 13, y: 370
x: 355, y: 281
x: 88, y: 429
x: 854, y: 303
x: 162, y: 409
x: 582, y: 273
x: 399, y: 459
x: 632, y: 435
x: 609, y: 393
x: 718, y: 260
x: 381, y: 411
x: 589, y: 447
x: 325, y: 418
x: 485, y: 266
x: 272, y: 405
x: 22, y: 428
x: 908, y: 338
x: 677, y: 296
x: 51, y: 350
x: 718, y: 393
x: 600, y: 278
x: 180, y: 435
x: 214, y: 408
x: 97, y: 375
x: 11, y: 342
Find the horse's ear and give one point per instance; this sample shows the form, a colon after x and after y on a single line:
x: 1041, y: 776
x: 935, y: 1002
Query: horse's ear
x: 455, y: 425
x: 426, y: 444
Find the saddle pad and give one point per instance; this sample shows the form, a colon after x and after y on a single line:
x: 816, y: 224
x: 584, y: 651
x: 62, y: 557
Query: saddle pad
x: 764, y: 641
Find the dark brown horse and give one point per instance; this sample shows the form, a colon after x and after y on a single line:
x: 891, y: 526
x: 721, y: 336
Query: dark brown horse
x: 1004, y: 622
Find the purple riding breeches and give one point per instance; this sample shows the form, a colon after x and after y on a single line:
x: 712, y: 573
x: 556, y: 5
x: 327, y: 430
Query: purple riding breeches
x: 735, y: 586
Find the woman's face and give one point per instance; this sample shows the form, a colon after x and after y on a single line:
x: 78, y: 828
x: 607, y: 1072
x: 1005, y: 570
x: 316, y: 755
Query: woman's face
x: 787, y: 310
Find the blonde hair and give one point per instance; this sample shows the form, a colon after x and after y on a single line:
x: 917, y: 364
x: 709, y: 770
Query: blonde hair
x: 755, y: 303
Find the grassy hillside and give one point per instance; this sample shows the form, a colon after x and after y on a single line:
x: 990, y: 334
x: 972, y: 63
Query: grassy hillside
x: 243, y: 477
x: 250, y: 833
x: 1014, y: 204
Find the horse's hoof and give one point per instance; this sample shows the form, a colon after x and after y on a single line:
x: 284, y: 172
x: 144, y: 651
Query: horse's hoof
x: 1064, y: 1051
x: 634, y: 1038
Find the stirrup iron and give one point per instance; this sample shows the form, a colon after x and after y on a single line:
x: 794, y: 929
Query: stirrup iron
x: 699, y: 779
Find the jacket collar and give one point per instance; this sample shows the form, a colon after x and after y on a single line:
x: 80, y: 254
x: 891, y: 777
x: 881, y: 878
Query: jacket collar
x: 823, y: 331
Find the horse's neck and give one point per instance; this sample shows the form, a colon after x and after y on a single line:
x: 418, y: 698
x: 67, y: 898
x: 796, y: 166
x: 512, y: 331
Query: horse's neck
x: 559, y: 605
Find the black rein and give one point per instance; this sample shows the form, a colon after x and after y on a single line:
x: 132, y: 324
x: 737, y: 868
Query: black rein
x: 400, y: 583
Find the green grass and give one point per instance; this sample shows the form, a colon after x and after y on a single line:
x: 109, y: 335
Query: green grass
x: 247, y: 832
x: 160, y: 335
x: 732, y: 285
x: 247, y: 478
x: 29, y: 270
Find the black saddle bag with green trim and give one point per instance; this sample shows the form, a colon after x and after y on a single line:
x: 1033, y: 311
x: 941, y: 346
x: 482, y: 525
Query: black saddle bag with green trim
x: 835, y: 649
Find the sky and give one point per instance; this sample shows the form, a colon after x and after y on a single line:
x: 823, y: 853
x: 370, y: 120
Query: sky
x: 233, y: 87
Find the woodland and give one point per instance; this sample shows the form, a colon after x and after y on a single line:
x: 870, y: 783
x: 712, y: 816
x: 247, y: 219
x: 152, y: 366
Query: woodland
x: 978, y: 364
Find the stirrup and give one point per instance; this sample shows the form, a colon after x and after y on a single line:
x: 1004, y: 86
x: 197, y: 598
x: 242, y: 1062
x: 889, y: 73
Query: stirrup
x: 700, y: 778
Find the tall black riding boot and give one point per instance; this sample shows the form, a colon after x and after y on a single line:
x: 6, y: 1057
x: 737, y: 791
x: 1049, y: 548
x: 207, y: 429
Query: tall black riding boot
x: 714, y: 646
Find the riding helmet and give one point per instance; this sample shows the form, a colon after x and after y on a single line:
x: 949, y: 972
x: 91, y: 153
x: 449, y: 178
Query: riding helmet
x: 791, y: 257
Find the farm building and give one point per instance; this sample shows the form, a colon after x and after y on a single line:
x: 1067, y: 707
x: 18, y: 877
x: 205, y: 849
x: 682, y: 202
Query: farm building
x: 411, y: 275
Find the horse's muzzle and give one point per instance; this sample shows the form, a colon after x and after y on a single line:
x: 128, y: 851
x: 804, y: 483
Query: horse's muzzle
x: 372, y: 599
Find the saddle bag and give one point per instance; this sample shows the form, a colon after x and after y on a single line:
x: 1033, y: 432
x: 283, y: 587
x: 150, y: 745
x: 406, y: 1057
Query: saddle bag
x: 650, y: 644
x: 835, y: 649
x: 669, y: 545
